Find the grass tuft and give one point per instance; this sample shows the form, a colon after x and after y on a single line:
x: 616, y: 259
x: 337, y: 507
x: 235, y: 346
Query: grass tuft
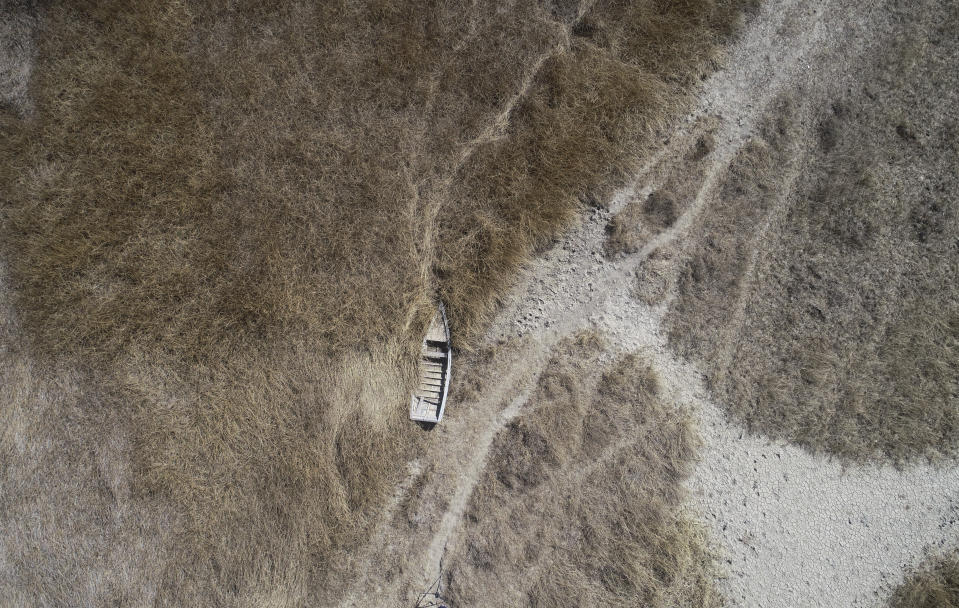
x: 934, y: 585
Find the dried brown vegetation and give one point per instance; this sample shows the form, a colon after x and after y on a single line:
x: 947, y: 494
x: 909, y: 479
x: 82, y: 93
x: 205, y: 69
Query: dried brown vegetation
x: 225, y: 225
x: 632, y: 227
x: 582, y: 495
x: 934, y: 585
x: 641, y: 219
x: 656, y: 277
x: 588, y: 115
x: 821, y: 293
x: 16, y: 55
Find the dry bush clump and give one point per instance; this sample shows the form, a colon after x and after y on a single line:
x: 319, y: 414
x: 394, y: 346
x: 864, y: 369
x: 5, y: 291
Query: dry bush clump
x: 934, y: 585
x: 656, y: 277
x: 624, y: 230
x: 631, y: 228
x: 825, y: 308
x: 660, y: 209
x: 476, y: 367
x: 583, y: 496
x: 227, y: 224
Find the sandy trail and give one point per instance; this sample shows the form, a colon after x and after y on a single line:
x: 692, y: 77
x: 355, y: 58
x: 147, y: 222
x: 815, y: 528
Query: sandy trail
x: 794, y: 529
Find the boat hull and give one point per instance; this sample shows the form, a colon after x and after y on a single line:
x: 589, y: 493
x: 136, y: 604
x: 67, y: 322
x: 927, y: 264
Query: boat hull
x: 428, y: 401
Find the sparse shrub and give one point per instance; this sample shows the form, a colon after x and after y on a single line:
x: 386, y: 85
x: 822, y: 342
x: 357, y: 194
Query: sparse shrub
x: 638, y: 221
x: 660, y: 209
x: 624, y: 231
x: 934, y: 585
x: 656, y: 277
x: 705, y: 144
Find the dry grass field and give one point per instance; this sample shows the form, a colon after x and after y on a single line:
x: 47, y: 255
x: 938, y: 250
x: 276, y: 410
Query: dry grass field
x: 820, y: 291
x: 224, y: 226
x: 582, y: 495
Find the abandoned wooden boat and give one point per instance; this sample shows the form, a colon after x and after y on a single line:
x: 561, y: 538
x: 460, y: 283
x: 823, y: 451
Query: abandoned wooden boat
x: 429, y: 399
